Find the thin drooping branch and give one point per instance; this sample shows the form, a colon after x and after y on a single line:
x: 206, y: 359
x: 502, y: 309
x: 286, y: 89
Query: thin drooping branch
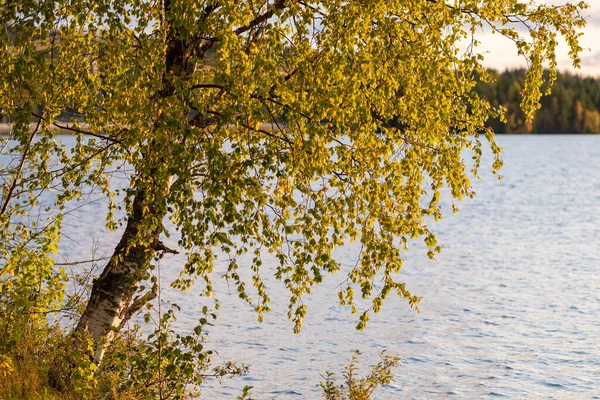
x: 17, y: 175
x: 81, y: 262
x: 265, y: 132
x: 83, y: 132
x: 77, y: 130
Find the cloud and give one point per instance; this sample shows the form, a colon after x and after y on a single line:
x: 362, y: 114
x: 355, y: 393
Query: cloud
x: 592, y: 16
x: 500, y: 53
x: 591, y: 60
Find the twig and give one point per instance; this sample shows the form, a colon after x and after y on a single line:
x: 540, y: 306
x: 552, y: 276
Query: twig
x: 19, y: 168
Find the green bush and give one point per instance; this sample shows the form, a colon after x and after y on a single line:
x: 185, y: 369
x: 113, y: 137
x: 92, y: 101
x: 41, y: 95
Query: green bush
x: 355, y: 387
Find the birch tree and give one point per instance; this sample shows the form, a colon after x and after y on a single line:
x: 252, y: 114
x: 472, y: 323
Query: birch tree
x: 290, y: 127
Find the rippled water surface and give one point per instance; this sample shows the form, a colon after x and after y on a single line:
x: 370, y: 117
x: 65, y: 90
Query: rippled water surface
x: 510, y: 308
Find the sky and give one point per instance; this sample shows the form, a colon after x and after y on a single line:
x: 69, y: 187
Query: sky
x: 501, y: 53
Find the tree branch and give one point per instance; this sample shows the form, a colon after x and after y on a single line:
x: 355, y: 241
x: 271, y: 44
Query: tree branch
x: 277, y: 5
x: 251, y: 128
x: 136, y: 305
x: 207, y: 86
x: 13, y: 185
x: 160, y: 246
x: 77, y: 130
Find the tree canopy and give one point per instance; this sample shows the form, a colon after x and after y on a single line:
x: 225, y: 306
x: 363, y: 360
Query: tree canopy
x: 283, y: 126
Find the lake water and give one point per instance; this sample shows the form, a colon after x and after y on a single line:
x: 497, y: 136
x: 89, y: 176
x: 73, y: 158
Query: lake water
x: 510, y: 308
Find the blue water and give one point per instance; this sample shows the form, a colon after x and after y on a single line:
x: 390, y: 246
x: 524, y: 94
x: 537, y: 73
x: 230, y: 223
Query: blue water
x: 511, y: 307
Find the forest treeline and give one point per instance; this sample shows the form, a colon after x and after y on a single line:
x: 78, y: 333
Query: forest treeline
x: 572, y: 107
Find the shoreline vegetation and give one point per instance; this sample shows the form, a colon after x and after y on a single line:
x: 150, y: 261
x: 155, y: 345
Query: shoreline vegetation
x: 572, y: 107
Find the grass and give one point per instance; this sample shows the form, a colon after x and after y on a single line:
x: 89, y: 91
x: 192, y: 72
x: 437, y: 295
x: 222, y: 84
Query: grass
x: 23, y: 379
